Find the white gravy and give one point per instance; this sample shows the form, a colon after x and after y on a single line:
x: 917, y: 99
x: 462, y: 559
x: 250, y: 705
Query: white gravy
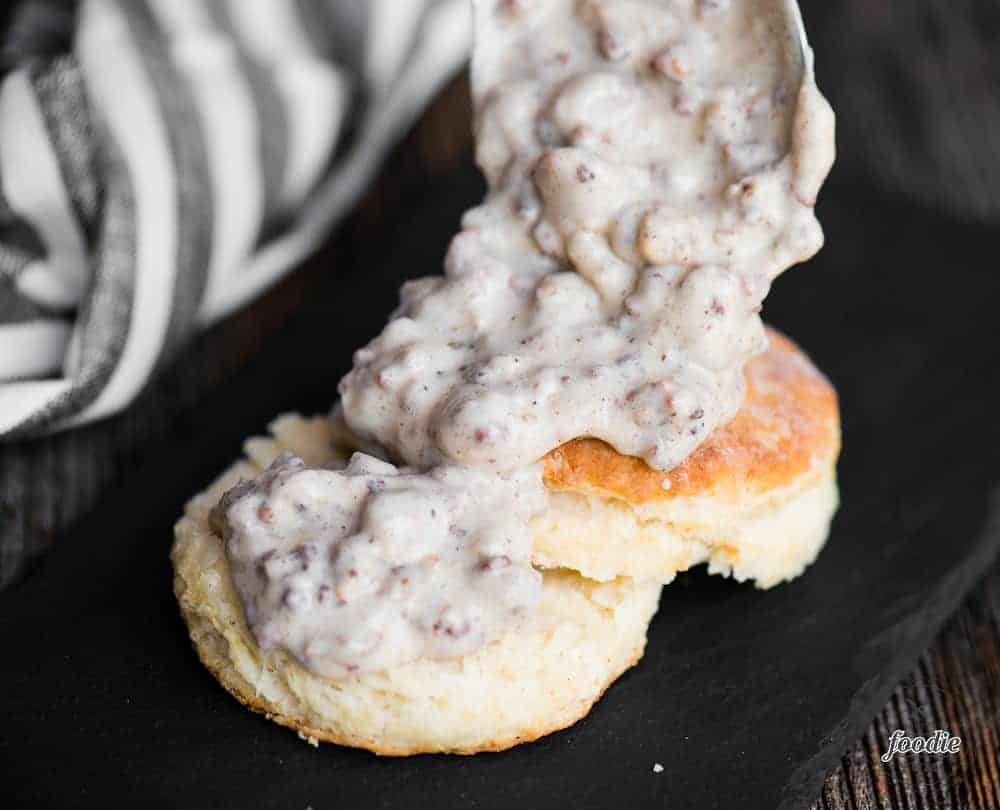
x: 652, y: 167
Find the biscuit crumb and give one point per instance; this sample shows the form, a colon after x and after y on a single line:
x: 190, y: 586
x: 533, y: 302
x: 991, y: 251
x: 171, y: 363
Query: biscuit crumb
x: 309, y: 738
x: 657, y: 767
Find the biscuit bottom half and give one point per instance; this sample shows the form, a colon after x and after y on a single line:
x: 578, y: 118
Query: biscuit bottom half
x: 541, y: 678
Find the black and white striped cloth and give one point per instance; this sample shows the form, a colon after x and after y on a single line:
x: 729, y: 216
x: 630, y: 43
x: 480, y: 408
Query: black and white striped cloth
x: 175, y: 160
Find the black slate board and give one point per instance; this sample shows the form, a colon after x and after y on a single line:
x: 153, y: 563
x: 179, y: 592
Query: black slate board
x: 746, y: 698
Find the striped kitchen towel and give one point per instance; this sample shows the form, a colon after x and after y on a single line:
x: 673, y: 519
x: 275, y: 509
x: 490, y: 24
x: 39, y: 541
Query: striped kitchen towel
x: 163, y: 161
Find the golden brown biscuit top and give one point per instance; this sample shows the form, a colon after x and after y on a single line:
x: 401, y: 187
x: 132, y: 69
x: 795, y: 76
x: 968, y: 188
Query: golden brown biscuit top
x: 787, y: 427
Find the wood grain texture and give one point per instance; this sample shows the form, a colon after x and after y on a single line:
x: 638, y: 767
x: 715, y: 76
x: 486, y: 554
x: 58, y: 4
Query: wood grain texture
x: 955, y: 687
x: 46, y: 485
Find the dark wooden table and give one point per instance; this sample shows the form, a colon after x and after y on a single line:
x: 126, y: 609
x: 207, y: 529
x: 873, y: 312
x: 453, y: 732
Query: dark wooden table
x: 45, y: 485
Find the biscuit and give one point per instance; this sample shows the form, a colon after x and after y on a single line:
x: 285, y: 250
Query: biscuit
x: 538, y: 679
x: 754, y: 501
